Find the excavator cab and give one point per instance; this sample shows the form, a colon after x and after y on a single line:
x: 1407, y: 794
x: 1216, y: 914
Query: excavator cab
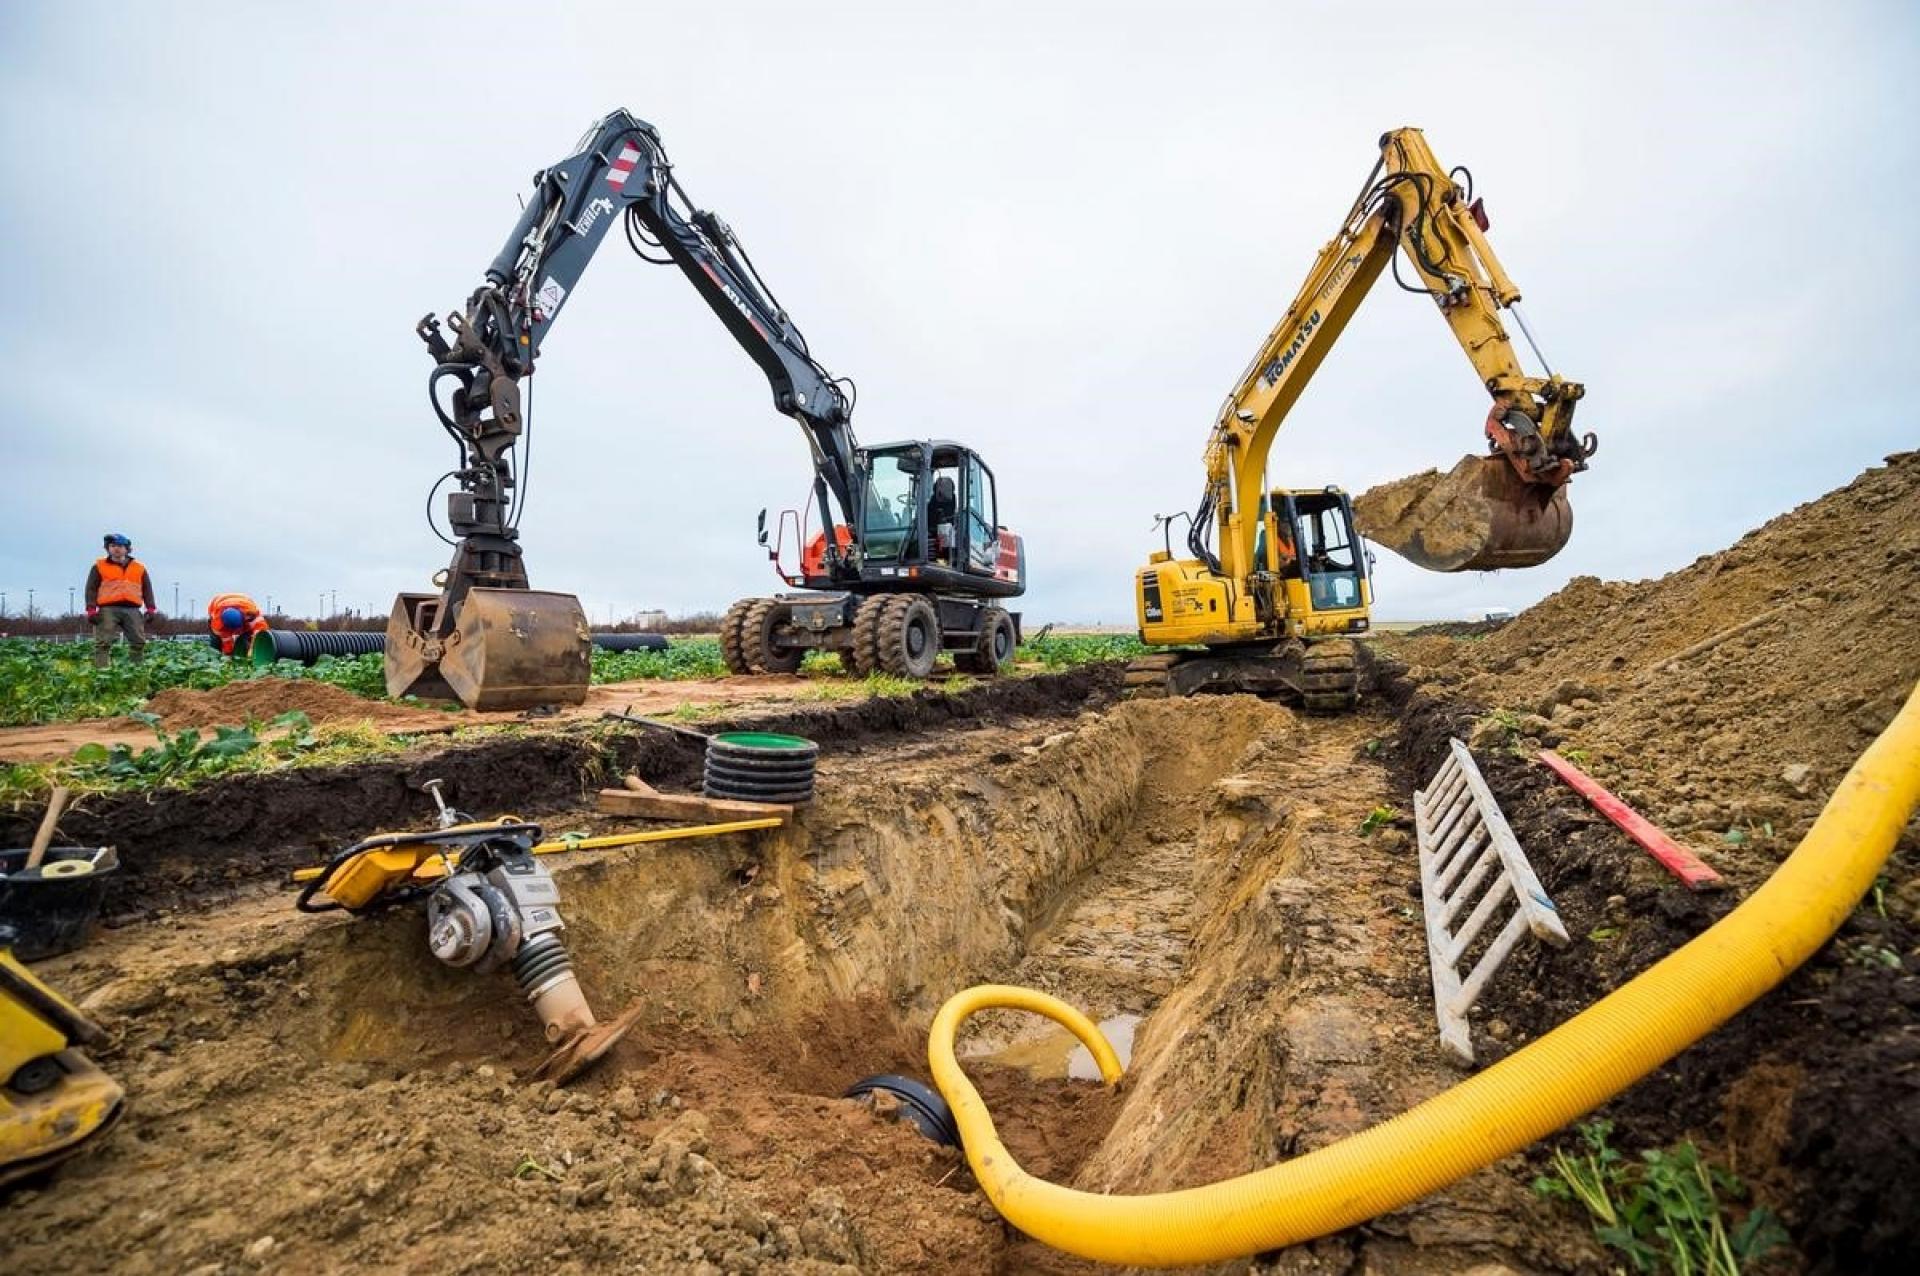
x: 1327, y: 588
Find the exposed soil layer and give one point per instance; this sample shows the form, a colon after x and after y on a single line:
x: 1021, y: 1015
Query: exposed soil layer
x: 1812, y: 1094
x: 176, y: 846
x: 312, y: 1093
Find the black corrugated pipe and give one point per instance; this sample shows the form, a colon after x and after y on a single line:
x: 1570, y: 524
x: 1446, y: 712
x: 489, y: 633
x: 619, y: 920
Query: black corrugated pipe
x: 630, y: 642
x: 308, y: 645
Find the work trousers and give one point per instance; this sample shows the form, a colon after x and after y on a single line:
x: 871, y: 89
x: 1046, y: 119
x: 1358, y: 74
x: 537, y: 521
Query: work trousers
x: 114, y: 620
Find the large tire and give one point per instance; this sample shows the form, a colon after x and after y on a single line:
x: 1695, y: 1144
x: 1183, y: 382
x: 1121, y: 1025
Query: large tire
x: 865, y: 656
x: 756, y: 639
x: 731, y: 653
x: 993, y: 650
x: 909, y: 636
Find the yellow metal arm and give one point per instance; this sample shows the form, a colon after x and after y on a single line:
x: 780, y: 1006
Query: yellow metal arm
x: 1409, y: 202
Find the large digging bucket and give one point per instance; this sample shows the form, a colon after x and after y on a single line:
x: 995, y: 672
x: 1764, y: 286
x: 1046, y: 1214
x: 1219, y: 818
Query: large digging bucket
x: 1477, y: 517
x: 509, y: 649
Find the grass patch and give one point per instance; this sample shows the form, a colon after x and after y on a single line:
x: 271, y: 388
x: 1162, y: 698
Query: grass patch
x: 183, y: 759
x: 1670, y: 1210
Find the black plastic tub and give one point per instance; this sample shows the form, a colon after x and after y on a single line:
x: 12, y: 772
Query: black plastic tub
x: 54, y: 908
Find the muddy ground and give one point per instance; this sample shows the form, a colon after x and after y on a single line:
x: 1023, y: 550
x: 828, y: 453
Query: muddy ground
x: 316, y: 1093
x: 1197, y: 864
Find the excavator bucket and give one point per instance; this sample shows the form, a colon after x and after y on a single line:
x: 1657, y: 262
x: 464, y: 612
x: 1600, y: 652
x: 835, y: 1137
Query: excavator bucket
x: 1478, y: 516
x: 510, y: 649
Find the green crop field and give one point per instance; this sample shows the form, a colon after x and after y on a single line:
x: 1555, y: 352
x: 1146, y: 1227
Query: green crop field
x: 42, y: 681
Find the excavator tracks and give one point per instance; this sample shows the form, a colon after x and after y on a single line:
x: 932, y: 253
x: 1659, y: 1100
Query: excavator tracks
x: 1321, y: 677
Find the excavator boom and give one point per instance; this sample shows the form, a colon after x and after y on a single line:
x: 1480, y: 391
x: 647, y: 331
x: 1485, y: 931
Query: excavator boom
x: 1505, y: 509
x: 485, y: 638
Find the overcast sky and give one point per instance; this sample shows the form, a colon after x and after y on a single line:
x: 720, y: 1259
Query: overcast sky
x: 1055, y: 232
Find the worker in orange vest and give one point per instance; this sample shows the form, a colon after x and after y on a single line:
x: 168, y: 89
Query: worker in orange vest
x: 234, y: 619
x: 119, y: 591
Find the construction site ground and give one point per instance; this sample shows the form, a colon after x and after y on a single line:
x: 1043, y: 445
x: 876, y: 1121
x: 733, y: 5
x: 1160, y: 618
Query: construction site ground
x: 1229, y: 885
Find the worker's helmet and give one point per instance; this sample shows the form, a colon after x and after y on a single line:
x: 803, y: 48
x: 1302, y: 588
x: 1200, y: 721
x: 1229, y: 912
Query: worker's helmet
x: 232, y: 618
x: 114, y: 538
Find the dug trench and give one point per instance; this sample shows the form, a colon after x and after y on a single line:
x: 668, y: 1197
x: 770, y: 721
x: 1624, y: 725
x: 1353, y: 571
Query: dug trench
x: 317, y: 1093
x: 210, y: 843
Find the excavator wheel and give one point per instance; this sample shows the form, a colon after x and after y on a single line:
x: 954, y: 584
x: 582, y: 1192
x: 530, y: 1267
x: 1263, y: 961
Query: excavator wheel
x: 909, y: 636
x: 757, y: 630
x: 993, y: 650
x: 865, y: 656
x: 1330, y: 677
x: 731, y: 653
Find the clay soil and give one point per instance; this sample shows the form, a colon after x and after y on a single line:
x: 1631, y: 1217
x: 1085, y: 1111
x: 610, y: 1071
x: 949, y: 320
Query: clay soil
x: 318, y: 1094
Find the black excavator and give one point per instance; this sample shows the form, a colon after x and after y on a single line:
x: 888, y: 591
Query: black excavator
x: 909, y: 560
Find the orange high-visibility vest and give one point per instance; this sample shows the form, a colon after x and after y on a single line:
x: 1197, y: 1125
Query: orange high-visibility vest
x: 120, y: 583
x: 251, y: 619
x: 249, y: 611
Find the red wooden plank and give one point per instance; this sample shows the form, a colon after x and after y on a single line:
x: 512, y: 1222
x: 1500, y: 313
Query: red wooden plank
x: 1675, y: 858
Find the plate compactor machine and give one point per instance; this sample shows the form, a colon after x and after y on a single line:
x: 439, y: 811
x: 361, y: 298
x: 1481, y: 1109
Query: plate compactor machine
x: 490, y: 904
x: 909, y: 560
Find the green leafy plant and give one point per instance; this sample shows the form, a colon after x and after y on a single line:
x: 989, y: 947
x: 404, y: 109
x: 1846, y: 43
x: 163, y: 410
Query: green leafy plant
x: 1748, y: 833
x: 1065, y: 651
x: 1378, y: 816
x: 1668, y: 1211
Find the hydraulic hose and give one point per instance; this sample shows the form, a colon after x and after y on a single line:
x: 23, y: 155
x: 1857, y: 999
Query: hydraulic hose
x: 1536, y: 1090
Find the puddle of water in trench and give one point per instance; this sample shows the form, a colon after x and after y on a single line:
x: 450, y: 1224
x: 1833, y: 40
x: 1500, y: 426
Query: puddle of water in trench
x: 1058, y: 1053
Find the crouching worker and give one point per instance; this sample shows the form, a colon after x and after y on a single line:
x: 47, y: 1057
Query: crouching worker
x: 235, y: 619
x: 119, y: 595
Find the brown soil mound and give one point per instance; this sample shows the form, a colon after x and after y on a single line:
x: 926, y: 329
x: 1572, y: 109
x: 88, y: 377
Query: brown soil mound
x: 262, y: 699
x: 1733, y: 694
x: 1724, y: 701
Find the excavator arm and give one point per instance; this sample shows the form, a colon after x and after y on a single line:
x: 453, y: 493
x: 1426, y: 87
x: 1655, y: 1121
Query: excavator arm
x: 618, y: 173
x: 1504, y: 510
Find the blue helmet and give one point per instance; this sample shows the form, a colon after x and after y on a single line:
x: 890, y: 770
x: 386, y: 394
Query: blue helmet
x: 114, y: 538
x: 232, y: 618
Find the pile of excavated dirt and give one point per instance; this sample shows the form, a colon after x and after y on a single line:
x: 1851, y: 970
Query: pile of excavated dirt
x: 263, y: 699
x: 1429, y: 517
x: 1725, y: 699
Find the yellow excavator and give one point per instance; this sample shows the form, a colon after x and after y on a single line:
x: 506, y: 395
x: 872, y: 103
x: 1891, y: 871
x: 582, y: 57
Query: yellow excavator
x: 1271, y: 609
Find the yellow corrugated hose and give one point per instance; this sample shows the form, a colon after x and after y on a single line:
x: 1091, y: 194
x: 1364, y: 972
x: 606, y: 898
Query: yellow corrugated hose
x: 1536, y: 1090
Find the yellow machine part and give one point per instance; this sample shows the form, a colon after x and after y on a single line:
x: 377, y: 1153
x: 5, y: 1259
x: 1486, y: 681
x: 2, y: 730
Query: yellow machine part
x: 1531, y: 1093
x: 71, y: 1101
x: 509, y: 649
x: 371, y: 873
x: 1180, y: 601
